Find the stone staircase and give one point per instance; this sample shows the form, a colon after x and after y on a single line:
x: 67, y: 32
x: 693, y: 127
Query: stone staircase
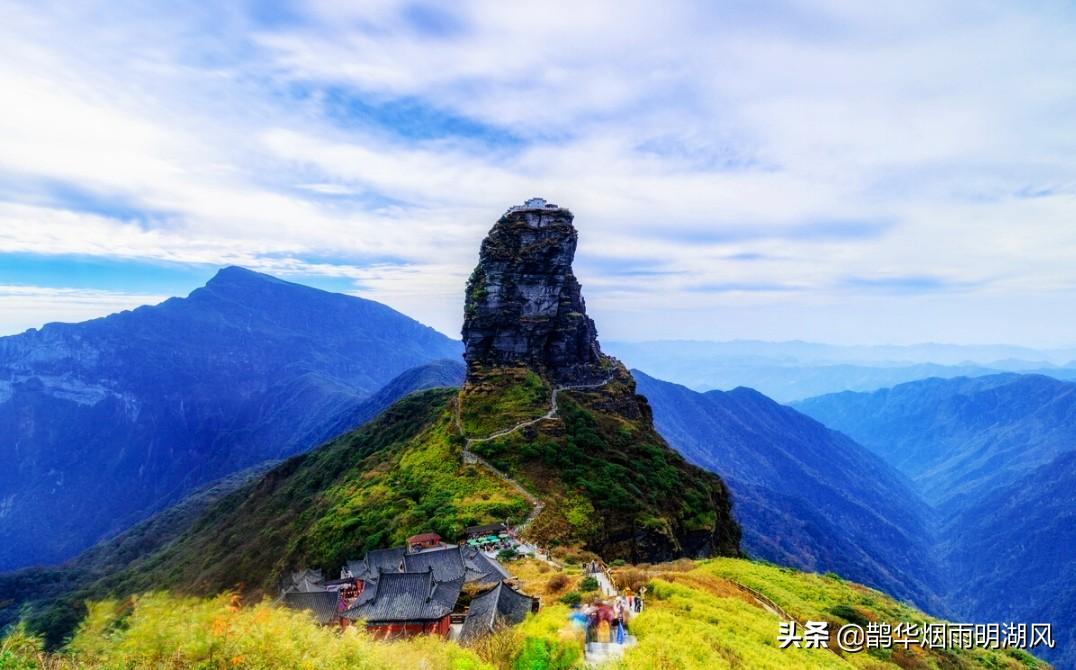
x: 600, y: 653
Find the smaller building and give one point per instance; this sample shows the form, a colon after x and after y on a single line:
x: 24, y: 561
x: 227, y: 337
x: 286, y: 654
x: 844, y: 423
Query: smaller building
x: 532, y: 205
x: 500, y: 606
x: 423, y: 541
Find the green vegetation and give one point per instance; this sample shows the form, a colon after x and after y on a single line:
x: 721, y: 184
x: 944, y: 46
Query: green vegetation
x: 698, y: 616
x: 159, y: 631
x: 548, y: 643
x: 476, y: 291
x: 398, y: 475
x: 501, y: 398
x: 608, y: 477
x: 588, y: 583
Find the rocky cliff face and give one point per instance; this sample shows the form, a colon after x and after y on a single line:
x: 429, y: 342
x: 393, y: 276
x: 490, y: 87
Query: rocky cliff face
x: 524, y: 305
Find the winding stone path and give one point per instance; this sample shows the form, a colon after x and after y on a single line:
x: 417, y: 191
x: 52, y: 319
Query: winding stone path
x: 597, y: 654
x: 469, y: 457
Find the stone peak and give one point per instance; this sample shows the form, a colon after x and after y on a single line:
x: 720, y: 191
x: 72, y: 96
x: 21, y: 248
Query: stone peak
x: 524, y: 305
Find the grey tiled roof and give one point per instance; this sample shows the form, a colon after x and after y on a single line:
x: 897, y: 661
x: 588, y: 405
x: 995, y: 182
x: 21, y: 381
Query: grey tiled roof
x: 357, y: 568
x: 407, y: 596
x: 481, y: 569
x: 447, y: 564
x: 377, y: 561
x: 302, y: 580
x: 386, y: 560
x: 501, y: 606
x: 321, y: 603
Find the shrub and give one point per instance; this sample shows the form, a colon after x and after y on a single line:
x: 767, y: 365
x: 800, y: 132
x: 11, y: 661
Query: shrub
x: 501, y: 648
x: 588, y: 583
x: 549, y: 642
x: 572, y: 598
x: 557, y: 583
x: 162, y: 631
x: 507, y: 555
x: 632, y: 578
x: 19, y: 650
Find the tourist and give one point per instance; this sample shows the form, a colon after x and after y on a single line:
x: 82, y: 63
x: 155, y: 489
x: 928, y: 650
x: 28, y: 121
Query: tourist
x: 604, y: 632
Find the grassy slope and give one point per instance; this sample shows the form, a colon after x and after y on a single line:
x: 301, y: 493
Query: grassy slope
x: 611, y: 483
x: 398, y: 475
x: 701, y: 618
x: 698, y: 616
x: 501, y: 399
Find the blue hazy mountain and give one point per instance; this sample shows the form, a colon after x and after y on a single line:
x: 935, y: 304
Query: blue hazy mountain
x: 958, y: 437
x: 997, y: 457
x: 104, y: 422
x: 790, y: 371
x: 805, y: 495
x: 1011, y: 554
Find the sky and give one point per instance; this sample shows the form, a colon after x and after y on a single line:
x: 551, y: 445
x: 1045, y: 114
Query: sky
x: 845, y: 172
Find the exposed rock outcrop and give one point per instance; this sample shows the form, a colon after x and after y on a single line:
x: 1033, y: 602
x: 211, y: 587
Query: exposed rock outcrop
x: 524, y: 305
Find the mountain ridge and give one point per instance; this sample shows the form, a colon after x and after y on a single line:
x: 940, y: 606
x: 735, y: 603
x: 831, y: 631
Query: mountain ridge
x: 159, y: 400
x: 805, y: 495
x: 997, y: 458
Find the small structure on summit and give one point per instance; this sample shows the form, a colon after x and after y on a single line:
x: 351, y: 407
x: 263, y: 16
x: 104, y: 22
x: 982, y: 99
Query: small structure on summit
x: 524, y: 305
x: 532, y: 204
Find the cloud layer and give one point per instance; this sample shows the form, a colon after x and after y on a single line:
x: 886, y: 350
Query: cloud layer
x: 831, y: 170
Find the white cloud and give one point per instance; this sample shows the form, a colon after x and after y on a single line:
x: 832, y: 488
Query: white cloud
x: 32, y: 306
x: 760, y: 161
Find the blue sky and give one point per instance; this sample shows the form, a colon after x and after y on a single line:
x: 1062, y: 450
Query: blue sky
x: 834, y: 171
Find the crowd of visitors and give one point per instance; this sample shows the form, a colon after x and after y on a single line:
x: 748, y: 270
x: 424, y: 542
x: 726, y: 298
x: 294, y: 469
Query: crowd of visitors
x: 607, y: 619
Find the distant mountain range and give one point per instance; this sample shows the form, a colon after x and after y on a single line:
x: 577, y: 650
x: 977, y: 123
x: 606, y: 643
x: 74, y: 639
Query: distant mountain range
x: 996, y: 456
x: 805, y: 495
x: 958, y: 438
x: 104, y: 422
x: 791, y: 371
x: 956, y: 494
